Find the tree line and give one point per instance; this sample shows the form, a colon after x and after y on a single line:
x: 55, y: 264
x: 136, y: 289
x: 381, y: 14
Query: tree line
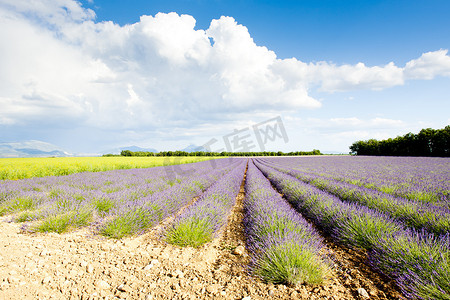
x: 428, y: 142
x: 204, y: 153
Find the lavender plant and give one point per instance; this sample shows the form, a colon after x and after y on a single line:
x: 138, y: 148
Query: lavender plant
x: 420, y: 262
x: 62, y: 222
x: 130, y: 222
x: 284, y: 247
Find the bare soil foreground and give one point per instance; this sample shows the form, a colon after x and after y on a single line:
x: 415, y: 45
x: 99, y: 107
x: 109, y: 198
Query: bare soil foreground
x: 83, y: 265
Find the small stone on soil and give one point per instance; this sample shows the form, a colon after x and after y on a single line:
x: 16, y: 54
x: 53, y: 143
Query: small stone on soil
x: 103, y: 285
x: 213, y: 289
x: 47, y: 280
x: 177, y: 274
x: 12, y: 280
x: 363, y: 293
x: 124, y: 288
x: 151, y: 264
x: 89, y: 269
x: 239, y: 250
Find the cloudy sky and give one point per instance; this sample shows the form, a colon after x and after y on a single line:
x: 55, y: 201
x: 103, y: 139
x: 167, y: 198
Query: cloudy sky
x: 98, y: 74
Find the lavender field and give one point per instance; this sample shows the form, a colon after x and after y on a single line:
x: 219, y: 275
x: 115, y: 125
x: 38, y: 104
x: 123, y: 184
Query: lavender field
x: 393, y: 210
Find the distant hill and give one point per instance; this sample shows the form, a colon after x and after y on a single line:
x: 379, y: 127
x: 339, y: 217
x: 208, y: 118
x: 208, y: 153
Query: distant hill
x: 136, y: 149
x: 194, y: 148
x: 31, y: 148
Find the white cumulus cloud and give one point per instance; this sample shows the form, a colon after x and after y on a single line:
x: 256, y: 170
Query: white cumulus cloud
x: 428, y: 65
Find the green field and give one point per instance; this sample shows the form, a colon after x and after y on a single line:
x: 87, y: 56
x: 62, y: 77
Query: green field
x: 19, y: 168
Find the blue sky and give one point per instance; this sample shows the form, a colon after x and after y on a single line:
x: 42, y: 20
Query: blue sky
x: 374, y: 32
x: 94, y: 75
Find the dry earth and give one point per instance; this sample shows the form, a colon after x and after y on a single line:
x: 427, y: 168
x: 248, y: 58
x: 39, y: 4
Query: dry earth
x: 83, y: 265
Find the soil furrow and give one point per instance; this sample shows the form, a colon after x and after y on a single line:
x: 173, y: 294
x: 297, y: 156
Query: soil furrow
x: 353, y: 272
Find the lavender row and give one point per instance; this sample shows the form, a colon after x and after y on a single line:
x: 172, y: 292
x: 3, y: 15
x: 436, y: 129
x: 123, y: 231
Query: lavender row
x: 201, y: 221
x: 425, y: 179
x: 418, y: 215
x: 417, y: 261
x: 284, y: 247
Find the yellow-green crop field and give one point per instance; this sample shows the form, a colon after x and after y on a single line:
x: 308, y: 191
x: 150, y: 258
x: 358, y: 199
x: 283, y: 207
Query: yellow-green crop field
x: 19, y: 168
